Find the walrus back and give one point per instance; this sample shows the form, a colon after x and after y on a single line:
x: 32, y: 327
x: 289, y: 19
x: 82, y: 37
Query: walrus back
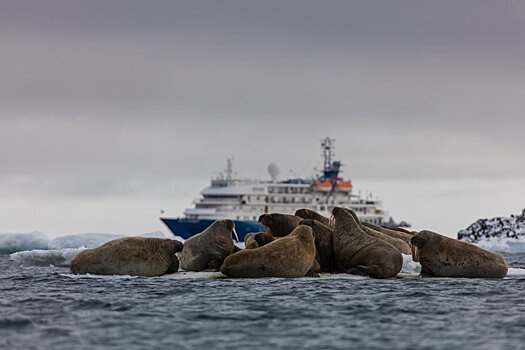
x: 442, y: 256
x: 290, y: 256
x: 135, y: 256
x: 355, y: 251
x: 213, y: 244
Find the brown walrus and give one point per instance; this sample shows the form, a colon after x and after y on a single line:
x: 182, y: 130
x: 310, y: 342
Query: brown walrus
x: 323, y: 244
x: 134, y: 256
x: 208, y: 249
x: 256, y: 240
x: 290, y: 256
x: 405, y: 236
x: 279, y: 225
x: 442, y: 256
x: 250, y: 242
x: 399, y: 244
x: 400, y: 229
x: 310, y: 214
x: 357, y: 252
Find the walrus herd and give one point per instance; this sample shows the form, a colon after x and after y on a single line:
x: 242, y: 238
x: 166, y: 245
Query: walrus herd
x: 299, y: 245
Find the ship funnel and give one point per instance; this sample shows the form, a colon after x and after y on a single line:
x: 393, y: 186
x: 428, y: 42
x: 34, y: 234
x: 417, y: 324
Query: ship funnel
x: 274, y: 171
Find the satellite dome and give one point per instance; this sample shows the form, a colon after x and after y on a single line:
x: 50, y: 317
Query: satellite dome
x: 274, y: 170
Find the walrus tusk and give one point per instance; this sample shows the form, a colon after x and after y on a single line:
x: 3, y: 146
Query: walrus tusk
x: 235, y: 233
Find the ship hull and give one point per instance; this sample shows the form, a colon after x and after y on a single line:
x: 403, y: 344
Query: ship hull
x: 185, y: 228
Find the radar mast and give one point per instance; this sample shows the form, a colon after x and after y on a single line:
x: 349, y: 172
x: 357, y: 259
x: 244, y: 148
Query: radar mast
x: 330, y: 169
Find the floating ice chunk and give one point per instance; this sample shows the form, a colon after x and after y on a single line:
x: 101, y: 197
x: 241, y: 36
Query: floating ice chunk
x: 15, y: 242
x: 410, y: 266
x: 515, y: 272
x: 156, y: 234
x: 503, y: 245
x: 88, y: 240
x: 59, y: 258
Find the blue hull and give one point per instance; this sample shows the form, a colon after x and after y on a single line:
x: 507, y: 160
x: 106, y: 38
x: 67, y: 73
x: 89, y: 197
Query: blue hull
x: 186, y: 228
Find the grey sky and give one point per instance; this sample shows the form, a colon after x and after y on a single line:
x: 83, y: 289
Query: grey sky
x: 111, y: 110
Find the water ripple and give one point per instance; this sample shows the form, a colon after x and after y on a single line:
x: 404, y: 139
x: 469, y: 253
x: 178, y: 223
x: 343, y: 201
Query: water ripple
x: 54, y: 309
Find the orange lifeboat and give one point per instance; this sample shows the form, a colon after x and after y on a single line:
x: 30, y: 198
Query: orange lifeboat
x: 322, y: 185
x: 344, y: 186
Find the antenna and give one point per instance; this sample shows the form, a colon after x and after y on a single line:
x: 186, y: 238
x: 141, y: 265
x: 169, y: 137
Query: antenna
x: 229, y: 168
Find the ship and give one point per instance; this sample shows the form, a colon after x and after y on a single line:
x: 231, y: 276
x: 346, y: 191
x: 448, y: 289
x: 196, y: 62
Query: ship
x: 244, y: 200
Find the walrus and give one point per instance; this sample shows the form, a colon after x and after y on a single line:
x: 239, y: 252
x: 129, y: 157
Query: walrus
x: 402, y: 246
x: 405, y: 236
x: 256, y: 240
x: 310, y: 214
x: 279, y: 225
x: 290, y: 256
x: 442, y: 256
x: 323, y: 236
x: 250, y: 242
x: 207, y: 250
x: 134, y: 256
x: 357, y: 252
x: 400, y: 229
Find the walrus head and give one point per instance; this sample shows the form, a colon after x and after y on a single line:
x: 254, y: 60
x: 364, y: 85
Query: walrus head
x: 337, y: 210
x: 266, y: 219
x: 346, y: 217
x: 279, y: 225
x: 417, y: 242
x: 263, y: 238
x: 177, y: 245
x: 230, y: 225
x: 308, y: 222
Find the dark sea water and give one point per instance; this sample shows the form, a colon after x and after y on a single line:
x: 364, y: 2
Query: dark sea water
x: 48, y: 308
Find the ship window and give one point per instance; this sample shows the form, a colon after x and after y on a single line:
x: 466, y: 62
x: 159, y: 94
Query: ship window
x: 238, y: 217
x: 254, y: 218
x: 322, y: 207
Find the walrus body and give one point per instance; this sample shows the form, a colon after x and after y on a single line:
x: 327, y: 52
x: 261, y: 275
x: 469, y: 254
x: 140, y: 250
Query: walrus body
x: 135, y: 256
x: 442, y: 256
x: 400, y: 245
x: 310, y: 214
x: 403, y: 235
x: 357, y: 252
x: 323, y: 244
x: 290, y: 256
x: 279, y: 225
x: 208, y: 249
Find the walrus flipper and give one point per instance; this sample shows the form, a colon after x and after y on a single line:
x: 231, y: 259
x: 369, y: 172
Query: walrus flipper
x: 174, y: 267
x: 311, y: 273
x: 314, y: 270
x: 425, y: 272
x: 214, y: 264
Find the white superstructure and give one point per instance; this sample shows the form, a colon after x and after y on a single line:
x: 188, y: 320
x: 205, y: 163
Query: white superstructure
x: 246, y: 200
